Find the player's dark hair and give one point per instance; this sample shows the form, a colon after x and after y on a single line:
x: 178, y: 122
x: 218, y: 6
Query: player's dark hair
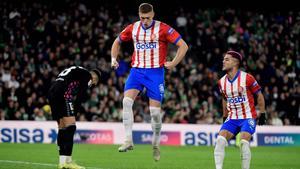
x: 145, y: 8
x: 98, y: 73
x: 236, y: 55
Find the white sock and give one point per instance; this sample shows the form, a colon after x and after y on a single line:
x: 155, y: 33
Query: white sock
x: 69, y: 159
x: 155, y: 124
x: 128, y: 117
x: 64, y: 159
x: 219, y: 152
x: 245, y: 154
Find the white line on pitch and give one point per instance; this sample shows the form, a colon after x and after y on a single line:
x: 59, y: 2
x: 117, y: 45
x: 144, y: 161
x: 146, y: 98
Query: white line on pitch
x: 40, y: 164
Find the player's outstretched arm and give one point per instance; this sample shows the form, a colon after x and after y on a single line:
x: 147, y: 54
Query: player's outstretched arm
x: 181, y: 51
x: 261, y: 105
x: 115, y: 49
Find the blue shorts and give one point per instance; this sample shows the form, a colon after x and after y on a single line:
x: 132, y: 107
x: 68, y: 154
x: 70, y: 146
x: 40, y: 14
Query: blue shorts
x: 235, y: 126
x: 150, y: 78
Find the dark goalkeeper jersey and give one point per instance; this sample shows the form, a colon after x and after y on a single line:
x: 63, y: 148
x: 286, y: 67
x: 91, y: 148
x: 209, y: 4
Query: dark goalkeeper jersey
x: 72, y: 84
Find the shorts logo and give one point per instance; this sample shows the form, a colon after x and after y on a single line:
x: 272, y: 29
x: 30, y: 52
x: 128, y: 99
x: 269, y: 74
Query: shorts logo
x: 251, y: 122
x: 161, y: 88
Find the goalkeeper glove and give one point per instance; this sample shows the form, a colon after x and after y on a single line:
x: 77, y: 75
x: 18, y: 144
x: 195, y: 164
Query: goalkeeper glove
x: 262, y: 119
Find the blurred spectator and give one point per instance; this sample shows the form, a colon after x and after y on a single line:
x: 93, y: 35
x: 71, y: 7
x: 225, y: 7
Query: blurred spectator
x: 275, y: 120
x: 2, y: 115
x: 39, y: 115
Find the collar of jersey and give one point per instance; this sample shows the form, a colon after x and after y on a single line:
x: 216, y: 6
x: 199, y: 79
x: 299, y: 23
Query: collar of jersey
x: 149, y: 26
x: 235, y: 77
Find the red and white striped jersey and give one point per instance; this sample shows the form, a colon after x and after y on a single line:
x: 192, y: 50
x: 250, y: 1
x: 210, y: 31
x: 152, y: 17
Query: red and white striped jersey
x: 150, y: 44
x: 239, y: 94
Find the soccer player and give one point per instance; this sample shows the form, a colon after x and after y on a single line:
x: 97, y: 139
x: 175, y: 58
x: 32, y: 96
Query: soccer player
x: 65, y: 97
x: 150, y: 38
x: 238, y: 89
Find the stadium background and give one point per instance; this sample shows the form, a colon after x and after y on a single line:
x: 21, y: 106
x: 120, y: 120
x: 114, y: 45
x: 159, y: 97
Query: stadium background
x: 40, y: 38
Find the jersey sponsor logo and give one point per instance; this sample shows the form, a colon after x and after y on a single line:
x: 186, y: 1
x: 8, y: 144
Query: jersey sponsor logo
x: 238, y: 99
x: 143, y: 46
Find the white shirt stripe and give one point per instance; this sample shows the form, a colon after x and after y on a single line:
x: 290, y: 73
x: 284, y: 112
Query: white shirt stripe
x: 156, y: 50
x: 142, y: 52
x: 148, y: 52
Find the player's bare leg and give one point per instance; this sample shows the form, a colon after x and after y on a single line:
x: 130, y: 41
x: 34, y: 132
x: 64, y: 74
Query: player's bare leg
x: 219, y: 151
x: 156, y: 122
x: 245, y: 150
x: 128, y: 119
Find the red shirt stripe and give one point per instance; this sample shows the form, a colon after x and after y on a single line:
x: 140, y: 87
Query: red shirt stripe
x: 137, y: 40
x: 144, y: 55
x: 152, y: 50
x: 236, y: 112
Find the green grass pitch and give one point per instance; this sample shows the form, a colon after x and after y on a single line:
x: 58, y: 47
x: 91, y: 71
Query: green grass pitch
x: 44, y: 156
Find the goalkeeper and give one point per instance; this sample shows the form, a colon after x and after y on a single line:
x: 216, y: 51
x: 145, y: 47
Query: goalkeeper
x: 65, y: 97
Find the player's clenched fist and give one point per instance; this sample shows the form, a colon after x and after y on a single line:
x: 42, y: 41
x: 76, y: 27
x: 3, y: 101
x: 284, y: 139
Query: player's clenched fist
x: 114, y: 63
x: 169, y: 65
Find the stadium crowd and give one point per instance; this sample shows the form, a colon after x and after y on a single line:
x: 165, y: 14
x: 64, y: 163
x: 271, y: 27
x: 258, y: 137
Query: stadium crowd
x: 39, y: 39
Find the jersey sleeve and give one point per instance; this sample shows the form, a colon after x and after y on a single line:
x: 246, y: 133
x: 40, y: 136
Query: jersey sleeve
x: 252, y: 84
x: 219, y: 87
x: 171, y: 34
x: 126, y: 34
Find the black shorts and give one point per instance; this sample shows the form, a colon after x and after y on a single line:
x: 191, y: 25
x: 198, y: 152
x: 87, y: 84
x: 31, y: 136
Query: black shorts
x: 59, y: 106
